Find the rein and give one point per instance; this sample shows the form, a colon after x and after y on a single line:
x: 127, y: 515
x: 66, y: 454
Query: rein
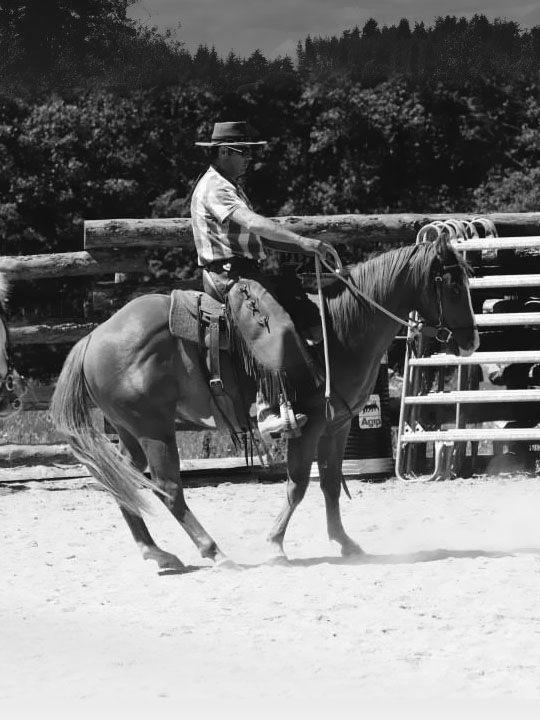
x: 440, y: 332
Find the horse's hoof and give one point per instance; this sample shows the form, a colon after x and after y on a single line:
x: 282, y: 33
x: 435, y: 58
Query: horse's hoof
x: 173, y: 565
x: 226, y: 564
x: 278, y: 561
x: 352, y: 551
x: 166, y: 562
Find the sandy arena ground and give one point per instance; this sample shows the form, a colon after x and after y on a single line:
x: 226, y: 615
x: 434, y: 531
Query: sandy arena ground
x: 447, y: 604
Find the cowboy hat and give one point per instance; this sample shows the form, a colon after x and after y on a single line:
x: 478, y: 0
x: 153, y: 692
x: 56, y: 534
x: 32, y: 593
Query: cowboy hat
x: 232, y: 133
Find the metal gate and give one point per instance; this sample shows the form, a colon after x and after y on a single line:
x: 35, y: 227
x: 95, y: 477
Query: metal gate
x: 423, y: 369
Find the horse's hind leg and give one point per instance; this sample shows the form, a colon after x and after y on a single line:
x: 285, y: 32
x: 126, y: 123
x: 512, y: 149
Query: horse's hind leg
x: 162, y: 455
x: 330, y: 458
x: 149, y: 550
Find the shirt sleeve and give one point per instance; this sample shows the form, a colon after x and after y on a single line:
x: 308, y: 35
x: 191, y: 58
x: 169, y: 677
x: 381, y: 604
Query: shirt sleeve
x: 223, y: 200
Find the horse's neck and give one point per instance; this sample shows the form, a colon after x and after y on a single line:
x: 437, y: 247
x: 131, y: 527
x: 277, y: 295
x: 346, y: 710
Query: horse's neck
x: 358, y: 324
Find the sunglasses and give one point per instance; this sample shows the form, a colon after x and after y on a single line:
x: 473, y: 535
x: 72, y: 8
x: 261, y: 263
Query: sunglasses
x: 245, y: 151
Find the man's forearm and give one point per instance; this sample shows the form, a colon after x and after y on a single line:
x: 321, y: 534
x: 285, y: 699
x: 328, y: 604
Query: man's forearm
x: 275, y: 235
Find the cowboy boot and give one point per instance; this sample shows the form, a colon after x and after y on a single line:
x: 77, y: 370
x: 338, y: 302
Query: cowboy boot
x: 276, y: 422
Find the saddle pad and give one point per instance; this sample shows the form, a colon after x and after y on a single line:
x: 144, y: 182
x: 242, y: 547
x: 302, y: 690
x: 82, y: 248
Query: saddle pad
x: 188, y: 309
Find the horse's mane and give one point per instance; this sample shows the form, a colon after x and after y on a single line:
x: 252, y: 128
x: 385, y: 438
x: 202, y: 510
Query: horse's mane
x: 376, y: 278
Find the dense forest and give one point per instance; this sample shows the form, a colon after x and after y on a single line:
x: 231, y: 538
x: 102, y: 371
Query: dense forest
x: 99, y: 115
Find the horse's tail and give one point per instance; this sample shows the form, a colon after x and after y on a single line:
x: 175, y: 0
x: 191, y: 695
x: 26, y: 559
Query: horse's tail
x: 71, y: 414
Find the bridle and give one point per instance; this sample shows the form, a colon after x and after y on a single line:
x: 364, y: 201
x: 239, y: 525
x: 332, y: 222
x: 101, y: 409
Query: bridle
x: 438, y: 330
x: 8, y: 385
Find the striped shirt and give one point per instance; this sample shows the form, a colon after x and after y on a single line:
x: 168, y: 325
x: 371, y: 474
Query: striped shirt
x: 217, y: 237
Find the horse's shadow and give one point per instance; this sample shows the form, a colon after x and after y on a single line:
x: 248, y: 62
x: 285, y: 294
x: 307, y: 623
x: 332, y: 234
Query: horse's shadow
x: 422, y: 556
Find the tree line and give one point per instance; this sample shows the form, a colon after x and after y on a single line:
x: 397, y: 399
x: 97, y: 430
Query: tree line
x: 453, y: 50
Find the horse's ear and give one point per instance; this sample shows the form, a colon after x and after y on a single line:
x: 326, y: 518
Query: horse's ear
x: 443, y: 246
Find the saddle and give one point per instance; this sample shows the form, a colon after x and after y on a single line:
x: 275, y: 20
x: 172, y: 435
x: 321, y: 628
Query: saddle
x: 197, y: 318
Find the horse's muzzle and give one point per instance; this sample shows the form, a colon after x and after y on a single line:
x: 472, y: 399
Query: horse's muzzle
x: 455, y: 346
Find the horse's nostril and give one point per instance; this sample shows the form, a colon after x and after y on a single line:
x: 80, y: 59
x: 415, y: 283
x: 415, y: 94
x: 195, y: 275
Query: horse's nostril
x: 16, y: 404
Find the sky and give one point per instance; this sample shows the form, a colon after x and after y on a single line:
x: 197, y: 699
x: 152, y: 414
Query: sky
x: 275, y: 26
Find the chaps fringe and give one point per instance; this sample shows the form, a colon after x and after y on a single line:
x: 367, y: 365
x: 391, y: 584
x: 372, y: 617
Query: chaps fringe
x: 275, y: 385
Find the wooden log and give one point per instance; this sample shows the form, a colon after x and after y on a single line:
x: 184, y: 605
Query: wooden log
x: 104, y: 237
x: 148, y: 232
x: 359, y: 229
x: 50, y: 334
x: 110, y: 296
x: 44, y: 473
x: 56, y: 265
x: 17, y: 455
x: 194, y: 472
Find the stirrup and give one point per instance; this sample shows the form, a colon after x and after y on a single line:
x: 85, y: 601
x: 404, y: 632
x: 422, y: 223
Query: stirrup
x: 292, y: 422
x: 287, y: 424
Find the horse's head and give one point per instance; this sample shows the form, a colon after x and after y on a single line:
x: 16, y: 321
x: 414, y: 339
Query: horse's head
x: 446, y: 305
x: 12, y: 386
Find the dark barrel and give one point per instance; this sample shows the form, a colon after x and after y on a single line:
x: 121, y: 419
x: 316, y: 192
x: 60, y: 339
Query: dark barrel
x: 368, y: 453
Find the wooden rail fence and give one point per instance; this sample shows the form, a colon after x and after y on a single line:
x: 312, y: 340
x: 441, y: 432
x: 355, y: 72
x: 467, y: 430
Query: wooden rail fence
x: 118, y: 246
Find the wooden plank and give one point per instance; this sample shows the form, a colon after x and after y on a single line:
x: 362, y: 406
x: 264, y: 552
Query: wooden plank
x: 14, y: 455
x: 357, y: 229
x: 78, y: 475
x: 17, y: 455
x: 35, y: 473
x: 21, y: 463
x: 56, y: 265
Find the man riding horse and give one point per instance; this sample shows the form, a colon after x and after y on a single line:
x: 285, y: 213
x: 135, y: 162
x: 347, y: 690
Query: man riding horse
x: 230, y: 239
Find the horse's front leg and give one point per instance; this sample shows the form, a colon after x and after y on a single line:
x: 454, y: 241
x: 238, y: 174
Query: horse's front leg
x: 330, y: 458
x: 300, y: 454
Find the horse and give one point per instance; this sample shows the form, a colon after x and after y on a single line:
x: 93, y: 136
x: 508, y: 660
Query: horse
x: 12, y: 385
x: 142, y: 378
